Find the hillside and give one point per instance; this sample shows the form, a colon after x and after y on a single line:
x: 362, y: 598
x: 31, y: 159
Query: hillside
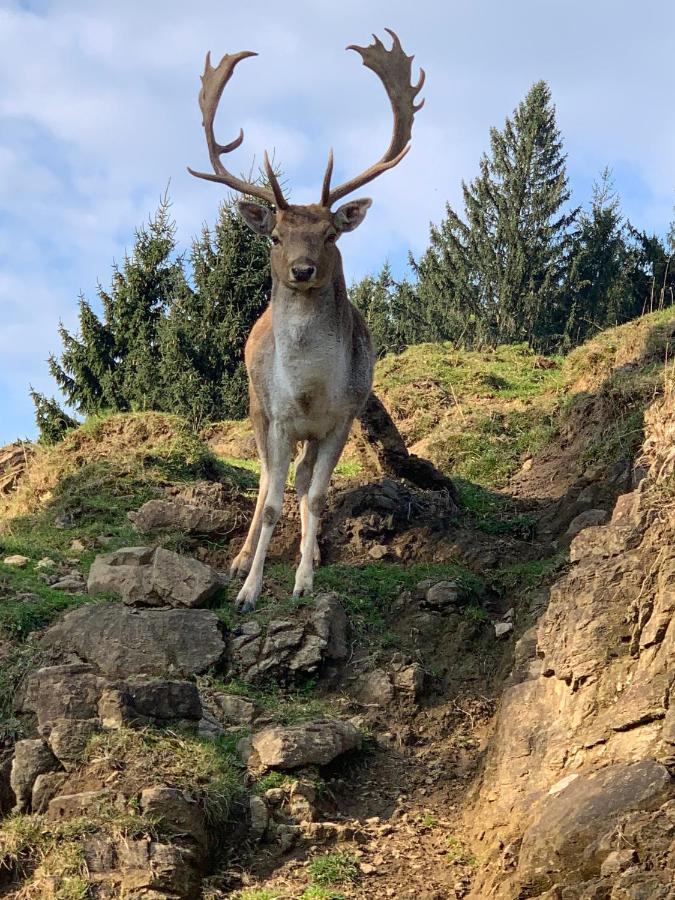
x: 413, y: 728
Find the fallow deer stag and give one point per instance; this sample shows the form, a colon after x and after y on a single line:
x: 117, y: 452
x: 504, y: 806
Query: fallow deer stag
x: 309, y: 357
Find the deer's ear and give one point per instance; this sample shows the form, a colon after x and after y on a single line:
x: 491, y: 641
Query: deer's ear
x: 259, y: 218
x: 350, y: 215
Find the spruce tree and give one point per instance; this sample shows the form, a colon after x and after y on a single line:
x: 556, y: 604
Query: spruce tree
x: 203, y: 336
x: 113, y: 362
x: 53, y: 422
x: 497, y: 274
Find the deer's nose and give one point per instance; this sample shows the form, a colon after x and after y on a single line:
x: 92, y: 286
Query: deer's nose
x: 303, y: 273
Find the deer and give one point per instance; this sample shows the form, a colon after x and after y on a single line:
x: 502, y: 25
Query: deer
x: 309, y: 357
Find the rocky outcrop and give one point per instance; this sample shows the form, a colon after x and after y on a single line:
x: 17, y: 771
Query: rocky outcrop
x: 176, y: 515
x: 287, y: 648
x: 585, y: 737
x: 121, y: 642
x: 147, y: 576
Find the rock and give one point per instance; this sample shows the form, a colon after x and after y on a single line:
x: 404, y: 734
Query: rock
x: 45, y: 563
x: 502, y: 628
x: 409, y: 680
x: 63, y: 692
x: 177, y: 515
x: 287, y: 648
x: 259, y: 815
x: 73, y: 583
x: 153, y: 577
x: 441, y: 595
x: 378, y: 551
x: 618, y: 861
x: 177, y: 812
x: 570, y: 821
x: 150, y: 703
x: 235, y: 710
x: 72, y: 806
x: 292, y: 746
x: 46, y: 787
x: 124, y: 642
x: 77, y: 546
x: 31, y: 759
x: 603, y: 541
x: 585, y: 520
x: 68, y: 739
x: 376, y: 688
x: 152, y: 870
x: 16, y: 560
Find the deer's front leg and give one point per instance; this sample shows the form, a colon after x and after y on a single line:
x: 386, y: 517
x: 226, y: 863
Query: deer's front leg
x: 280, y: 450
x: 328, y: 454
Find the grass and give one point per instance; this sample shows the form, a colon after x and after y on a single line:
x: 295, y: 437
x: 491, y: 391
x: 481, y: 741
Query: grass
x: 457, y: 854
x: 521, y: 577
x: 317, y: 892
x: 333, y: 868
x: 491, y: 512
x: 287, y: 706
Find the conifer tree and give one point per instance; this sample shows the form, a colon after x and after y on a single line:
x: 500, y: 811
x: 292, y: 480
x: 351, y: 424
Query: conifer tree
x: 203, y: 335
x: 53, y: 422
x: 497, y: 273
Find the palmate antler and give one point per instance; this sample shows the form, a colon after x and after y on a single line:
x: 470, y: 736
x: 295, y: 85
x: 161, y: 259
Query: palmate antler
x: 213, y: 84
x: 392, y: 67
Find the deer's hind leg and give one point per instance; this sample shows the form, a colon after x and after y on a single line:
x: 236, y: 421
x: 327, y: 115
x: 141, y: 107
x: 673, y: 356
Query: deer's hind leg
x: 241, y: 564
x: 304, y: 469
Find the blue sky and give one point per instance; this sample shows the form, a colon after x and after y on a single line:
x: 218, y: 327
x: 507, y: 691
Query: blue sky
x: 98, y: 113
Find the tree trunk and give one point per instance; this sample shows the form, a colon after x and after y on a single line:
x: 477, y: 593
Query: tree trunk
x: 384, y: 452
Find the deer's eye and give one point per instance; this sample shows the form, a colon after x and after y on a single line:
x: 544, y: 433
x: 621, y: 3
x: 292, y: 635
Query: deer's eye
x: 275, y: 240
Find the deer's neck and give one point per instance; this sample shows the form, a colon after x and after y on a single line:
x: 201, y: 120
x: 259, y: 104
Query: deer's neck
x: 311, y: 314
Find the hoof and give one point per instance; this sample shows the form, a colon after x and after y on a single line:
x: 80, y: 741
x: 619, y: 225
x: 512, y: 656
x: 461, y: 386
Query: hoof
x: 304, y: 584
x: 247, y: 597
x: 241, y: 566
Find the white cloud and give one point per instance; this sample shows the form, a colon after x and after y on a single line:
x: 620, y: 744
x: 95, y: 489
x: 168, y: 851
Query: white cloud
x: 98, y: 111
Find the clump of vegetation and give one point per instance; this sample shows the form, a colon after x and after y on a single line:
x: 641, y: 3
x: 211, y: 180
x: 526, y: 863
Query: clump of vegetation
x: 457, y: 853
x: 333, y: 868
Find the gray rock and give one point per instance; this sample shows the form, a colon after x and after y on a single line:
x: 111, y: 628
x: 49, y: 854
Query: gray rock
x: 150, y: 702
x: 292, y: 746
x: 46, y: 787
x: 585, y: 520
x: 68, y: 739
x: 259, y: 815
x: 71, y: 583
x: 177, y: 812
x: 72, y: 806
x: 409, y: 680
x: 31, y: 759
x: 235, y: 710
x: 63, y: 692
x: 123, y: 642
x: 502, y: 628
x: 441, y: 595
x: 376, y: 688
x: 177, y: 515
x: 153, y: 577
x: 152, y: 870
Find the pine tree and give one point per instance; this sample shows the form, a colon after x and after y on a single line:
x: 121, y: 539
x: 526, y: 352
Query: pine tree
x: 53, y: 423
x: 203, y: 336
x: 497, y: 274
x: 113, y: 362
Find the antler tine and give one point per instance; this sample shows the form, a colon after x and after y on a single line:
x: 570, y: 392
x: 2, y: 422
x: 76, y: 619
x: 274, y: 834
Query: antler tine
x: 325, y: 189
x: 279, y: 199
x: 394, y: 70
x: 214, y: 80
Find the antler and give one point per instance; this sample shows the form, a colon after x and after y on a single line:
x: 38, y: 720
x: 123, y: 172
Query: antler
x: 394, y: 69
x: 213, y: 84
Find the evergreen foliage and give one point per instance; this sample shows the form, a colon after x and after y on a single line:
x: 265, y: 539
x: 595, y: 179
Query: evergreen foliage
x: 52, y: 422
x: 390, y: 310
x: 497, y: 273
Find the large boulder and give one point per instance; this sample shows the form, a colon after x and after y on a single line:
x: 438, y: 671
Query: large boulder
x: 292, y: 746
x: 176, y: 515
x: 123, y: 642
x: 31, y: 759
x: 153, y: 577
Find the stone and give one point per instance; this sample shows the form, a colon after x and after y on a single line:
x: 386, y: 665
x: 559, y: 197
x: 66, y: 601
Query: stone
x: 177, y: 515
x: 16, y: 561
x: 74, y: 584
x: 376, y: 688
x: 46, y: 787
x: 441, y: 595
x: 603, y: 541
x: 123, y: 642
x: 77, y: 546
x: 152, y: 870
x: 378, y: 551
x: 153, y: 577
x: 72, y: 806
x: 63, y: 692
x: 570, y: 821
x: 618, y: 861
x: 292, y: 746
x: 68, y: 739
x: 177, y: 812
x: 150, y: 702
x: 235, y: 710
x: 31, y: 759
x: 259, y: 816
x: 502, y: 628
x: 409, y: 680
x: 45, y: 563
x: 287, y: 649
x: 584, y: 520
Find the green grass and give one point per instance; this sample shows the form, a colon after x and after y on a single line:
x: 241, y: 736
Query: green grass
x: 26, y: 603
x: 491, y: 512
x: 521, y: 577
x: 316, y: 892
x: 287, y: 706
x: 333, y: 868
x: 457, y: 854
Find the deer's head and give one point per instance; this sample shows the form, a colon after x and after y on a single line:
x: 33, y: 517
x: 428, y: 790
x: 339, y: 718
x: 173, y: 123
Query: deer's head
x: 304, y: 252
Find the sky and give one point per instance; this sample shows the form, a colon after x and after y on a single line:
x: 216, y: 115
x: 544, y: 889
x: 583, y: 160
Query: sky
x: 98, y: 114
